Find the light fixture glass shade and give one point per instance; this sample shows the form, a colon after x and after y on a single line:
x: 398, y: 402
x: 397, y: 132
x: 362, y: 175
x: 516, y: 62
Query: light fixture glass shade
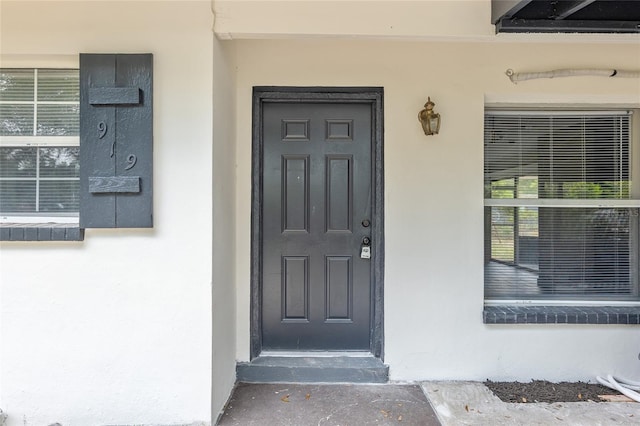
x: 429, y: 119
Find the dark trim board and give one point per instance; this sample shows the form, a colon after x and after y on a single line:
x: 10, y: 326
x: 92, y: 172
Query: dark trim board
x: 523, y: 314
x: 566, y: 26
x: 41, y: 232
x: 370, y: 95
x: 570, y: 16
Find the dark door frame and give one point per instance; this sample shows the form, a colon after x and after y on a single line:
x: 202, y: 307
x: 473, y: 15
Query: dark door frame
x: 366, y: 95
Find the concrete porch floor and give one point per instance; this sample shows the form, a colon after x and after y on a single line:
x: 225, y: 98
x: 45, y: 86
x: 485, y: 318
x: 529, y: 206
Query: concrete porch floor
x: 425, y: 404
x: 327, y: 405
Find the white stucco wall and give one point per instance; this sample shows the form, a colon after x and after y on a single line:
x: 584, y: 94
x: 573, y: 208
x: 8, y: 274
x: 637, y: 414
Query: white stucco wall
x: 434, y: 195
x: 118, y: 329
x: 224, y: 247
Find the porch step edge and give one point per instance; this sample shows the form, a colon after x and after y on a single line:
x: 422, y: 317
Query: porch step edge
x: 307, y: 369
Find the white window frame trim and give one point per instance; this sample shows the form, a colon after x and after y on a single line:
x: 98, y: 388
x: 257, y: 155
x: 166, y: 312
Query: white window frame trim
x: 561, y: 202
x: 570, y: 105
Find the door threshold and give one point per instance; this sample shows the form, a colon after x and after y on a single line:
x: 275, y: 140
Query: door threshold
x: 316, y: 354
x: 327, y: 368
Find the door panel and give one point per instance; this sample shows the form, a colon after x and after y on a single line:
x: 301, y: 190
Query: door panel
x: 317, y: 172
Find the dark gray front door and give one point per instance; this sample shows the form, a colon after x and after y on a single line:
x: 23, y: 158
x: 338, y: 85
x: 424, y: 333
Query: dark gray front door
x: 316, y: 212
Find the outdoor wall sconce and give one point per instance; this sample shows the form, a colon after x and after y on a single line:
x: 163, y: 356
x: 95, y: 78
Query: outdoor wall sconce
x: 429, y: 119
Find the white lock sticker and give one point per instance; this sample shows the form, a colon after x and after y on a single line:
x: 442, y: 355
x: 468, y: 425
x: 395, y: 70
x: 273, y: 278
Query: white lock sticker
x: 366, y: 252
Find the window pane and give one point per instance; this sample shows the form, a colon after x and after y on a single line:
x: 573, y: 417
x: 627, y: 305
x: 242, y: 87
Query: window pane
x: 607, y: 162
x: 527, y: 237
x: 504, y: 188
x: 577, y: 156
x: 502, y: 230
x: 17, y: 196
x: 58, y: 120
x: 584, y: 251
x: 17, y: 162
x: 587, y: 158
x: 59, y: 162
x: 16, y: 120
x: 528, y: 187
x: 16, y: 85
x: 578, y: 253
x: 58, y: 85
x: 59, y: 196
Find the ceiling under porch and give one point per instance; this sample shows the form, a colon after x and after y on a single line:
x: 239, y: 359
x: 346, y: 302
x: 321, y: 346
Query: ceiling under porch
x: 436, y: 20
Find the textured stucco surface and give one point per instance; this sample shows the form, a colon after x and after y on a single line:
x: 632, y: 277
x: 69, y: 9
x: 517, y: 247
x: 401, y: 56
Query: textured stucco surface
x: 434, y: 195
x: 118, y: 329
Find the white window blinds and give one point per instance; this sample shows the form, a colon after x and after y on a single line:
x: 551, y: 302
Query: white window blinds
x: 560, y: 221
x: 39, y: 138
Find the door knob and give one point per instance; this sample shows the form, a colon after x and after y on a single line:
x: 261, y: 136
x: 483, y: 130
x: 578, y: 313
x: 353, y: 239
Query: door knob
x: 366, y: 241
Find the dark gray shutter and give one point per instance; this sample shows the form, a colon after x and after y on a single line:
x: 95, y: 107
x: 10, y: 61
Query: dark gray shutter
x: 116, y: 140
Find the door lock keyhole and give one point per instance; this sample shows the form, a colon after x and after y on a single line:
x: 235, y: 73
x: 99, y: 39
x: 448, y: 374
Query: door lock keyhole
x: 365, y: 250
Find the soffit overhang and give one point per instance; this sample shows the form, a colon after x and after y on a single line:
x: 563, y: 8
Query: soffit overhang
x: 432, y: 20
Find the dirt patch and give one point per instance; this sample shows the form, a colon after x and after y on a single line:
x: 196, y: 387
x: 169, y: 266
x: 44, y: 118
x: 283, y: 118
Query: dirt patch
x: 544, y: 391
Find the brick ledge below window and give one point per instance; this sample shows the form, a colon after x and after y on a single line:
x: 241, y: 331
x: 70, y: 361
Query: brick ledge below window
x: 516, y: 314
x: 41, y: 232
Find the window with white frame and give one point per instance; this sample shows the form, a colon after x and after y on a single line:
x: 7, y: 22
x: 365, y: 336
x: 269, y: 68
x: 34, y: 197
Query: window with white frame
x: 39, y: 145
x: 561, y: 209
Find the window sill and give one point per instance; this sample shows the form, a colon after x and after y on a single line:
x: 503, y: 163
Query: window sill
x: 512, y: 314
x: 41, y: 232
